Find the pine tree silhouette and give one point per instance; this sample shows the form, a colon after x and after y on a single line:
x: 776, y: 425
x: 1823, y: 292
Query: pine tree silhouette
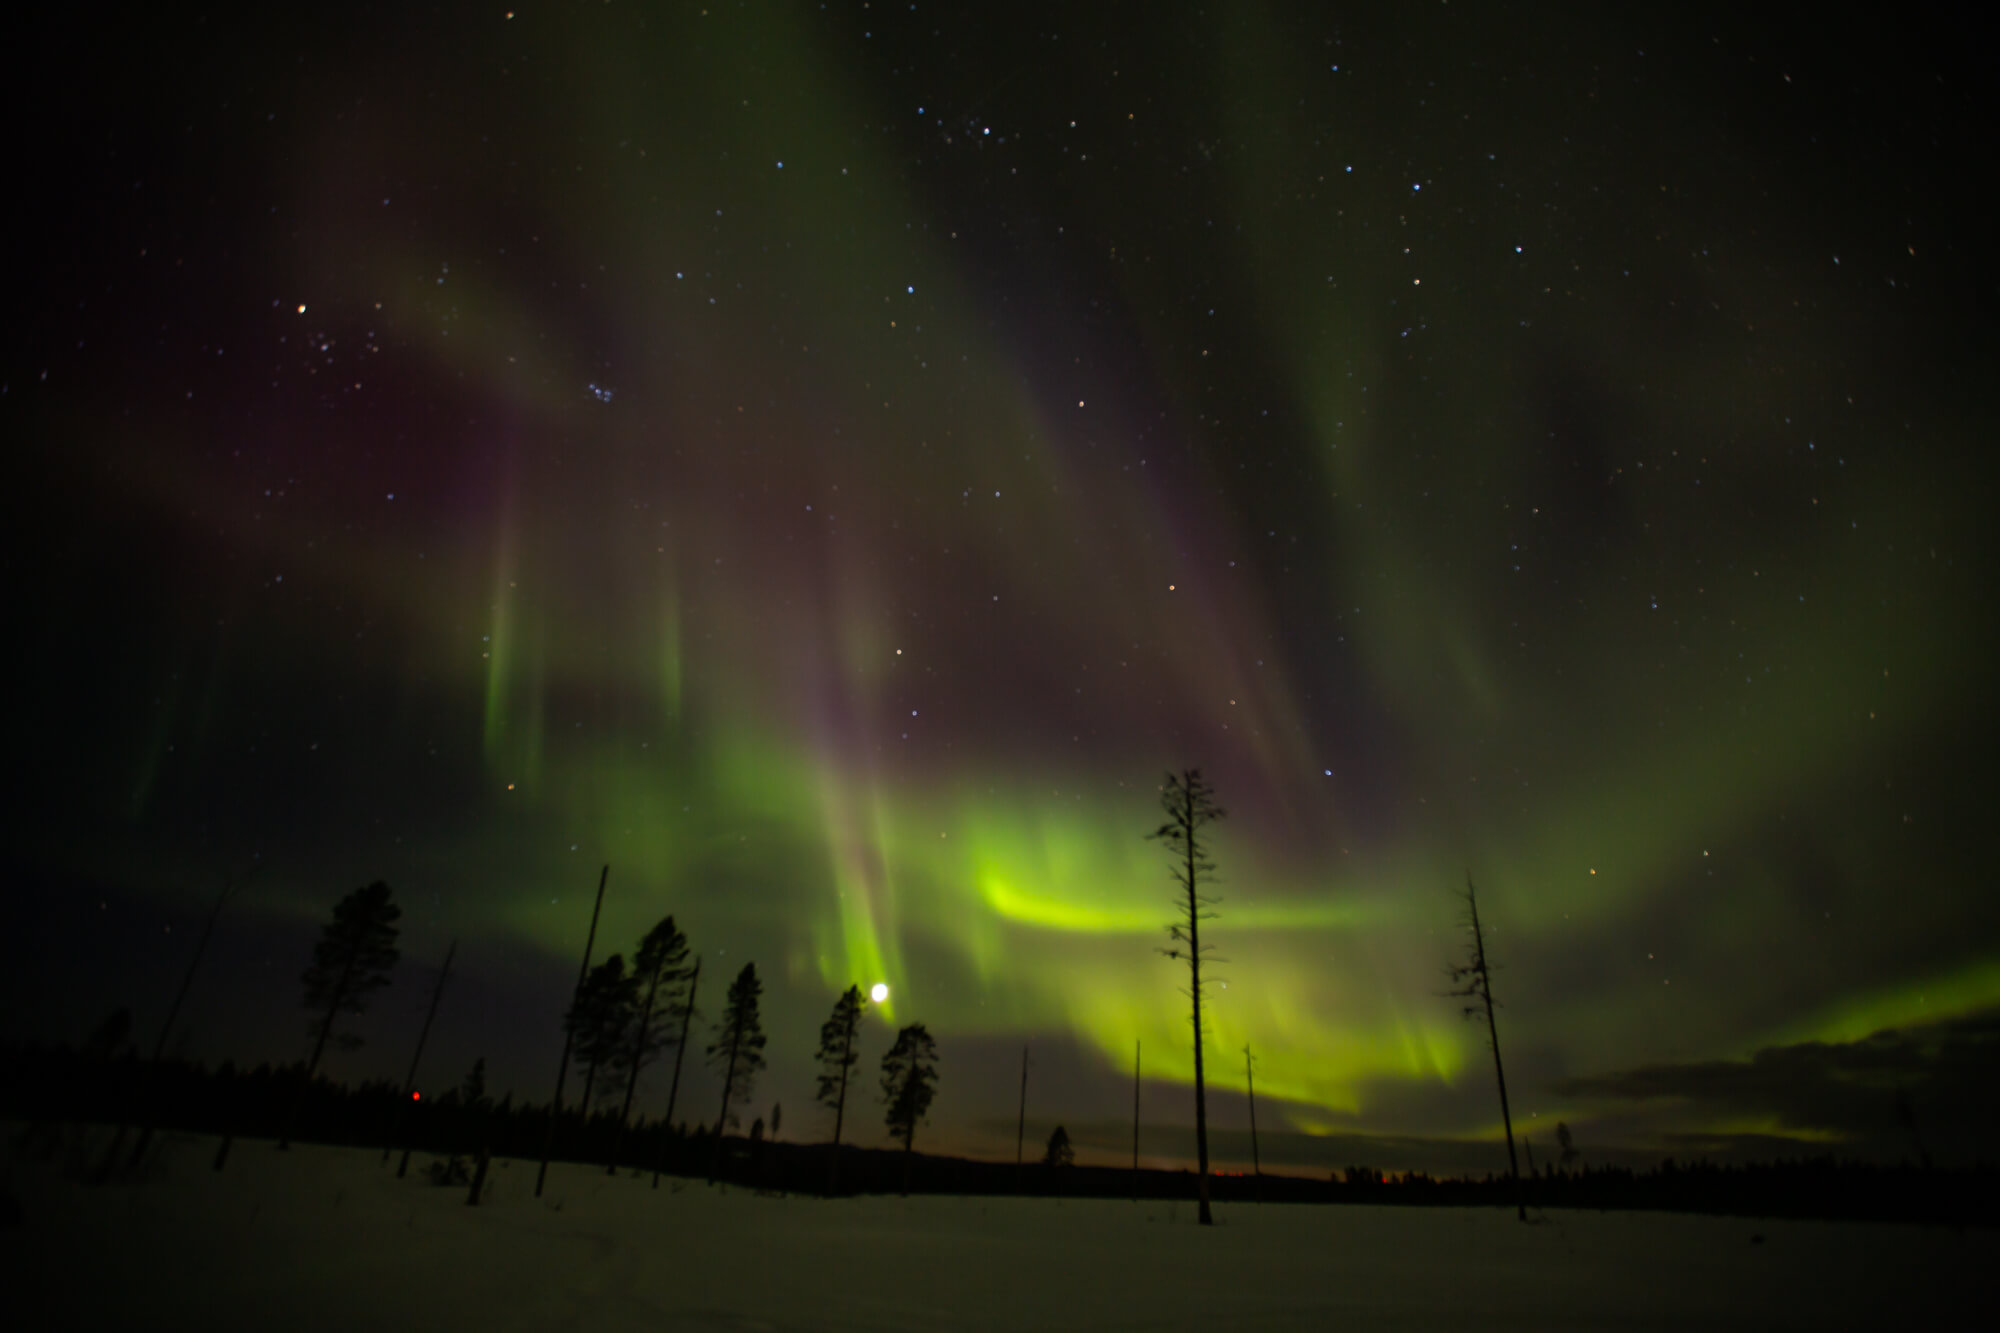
x: 661, y: 973
x: 837, y: 1058
x: 352, y: 960
x: 909, y: 1082
x: 601, y: 1020
x: 737, y: 1052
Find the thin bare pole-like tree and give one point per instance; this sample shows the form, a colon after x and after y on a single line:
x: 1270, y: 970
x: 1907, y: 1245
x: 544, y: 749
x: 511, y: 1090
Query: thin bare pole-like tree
x: 1135, y: 1120
x: 410, y: 1079
x: 1189, y: 803
x: 1473, y: 980
x: 1250, y: 1080
x: 230, y: 884
x: 562, y: 1069
x: 1021, y: 1125
x: 680, y: 1054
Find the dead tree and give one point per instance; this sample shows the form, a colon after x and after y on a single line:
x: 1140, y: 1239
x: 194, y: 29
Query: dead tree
x: 410, y: 1079
x: 1189, y: 803
x: 1473, y: 980
x: 230, y: 885
x: 680, y: 1054
x: 1021, y: 1124
x: 1135, y: 1119
x: 562, y: 1068
x: 1250, y: 1082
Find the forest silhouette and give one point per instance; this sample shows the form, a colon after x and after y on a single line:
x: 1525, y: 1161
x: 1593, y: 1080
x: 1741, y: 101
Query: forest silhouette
x: 623, y: 1018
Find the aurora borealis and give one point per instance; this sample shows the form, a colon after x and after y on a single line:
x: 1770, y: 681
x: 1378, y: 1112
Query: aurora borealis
x: 829, y: 462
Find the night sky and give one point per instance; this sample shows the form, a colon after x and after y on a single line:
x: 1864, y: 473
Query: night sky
x: 830, y: 462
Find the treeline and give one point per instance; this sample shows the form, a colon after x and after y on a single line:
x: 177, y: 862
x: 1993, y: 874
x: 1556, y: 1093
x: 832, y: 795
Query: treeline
x: 1822, y: 1187
x: 620, y: 1020
x: 51, y: 1090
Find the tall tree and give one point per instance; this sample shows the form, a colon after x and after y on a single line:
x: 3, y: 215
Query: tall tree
x: 1473, y: 980
x: 660, y: 972
x: 1189, y: 803
x: 601, y: 1020
x: 230, y: 884
x: 837, y: 1057
x: 353, y: 959
x: 410, y: 1080
x: 737, y: 1052
x: 1135, y: 1119
x: 1250, y: 1082
x: 680, y: 1053
x: 562, y: 1067
x: 909, y: 1082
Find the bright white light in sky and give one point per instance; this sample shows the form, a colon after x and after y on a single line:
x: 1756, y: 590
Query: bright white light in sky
x: 879, y: 992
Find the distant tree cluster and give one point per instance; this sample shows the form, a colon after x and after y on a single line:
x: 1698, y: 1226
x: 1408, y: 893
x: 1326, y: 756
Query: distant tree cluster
x: 622, y: 1020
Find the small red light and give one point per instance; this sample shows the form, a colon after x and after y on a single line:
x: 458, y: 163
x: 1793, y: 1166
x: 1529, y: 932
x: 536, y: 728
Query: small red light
x: 416, y: 1096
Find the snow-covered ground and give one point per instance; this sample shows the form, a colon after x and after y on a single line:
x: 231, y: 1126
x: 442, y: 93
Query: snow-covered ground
x: 326, y: 1238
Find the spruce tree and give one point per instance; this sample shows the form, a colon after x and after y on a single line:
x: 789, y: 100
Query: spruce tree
x: 909, y: 1082
x: 352, y: 960
x: 737, y: 1052
x: 837, y: 1057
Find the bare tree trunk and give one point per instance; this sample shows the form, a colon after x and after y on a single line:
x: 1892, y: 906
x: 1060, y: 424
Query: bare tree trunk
x: 410, y: 1079
x: 1021, y: 1126
x: 840, y: 1106
x: 478, y: 1176
x: 632, y: 1083
x: 722, y: 1122
x: 680, y: 1053
x: 319, y: 1047
x: 562, y: 1069
x: 1250, y: 1078
x: 1135, y: 1122
x: 1485, y: 994
x: 229, y: 887
x: 1207, y: 1218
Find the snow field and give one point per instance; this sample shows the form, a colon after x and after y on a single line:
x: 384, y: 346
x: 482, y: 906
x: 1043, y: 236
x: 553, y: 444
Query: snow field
x: 327, y: 1238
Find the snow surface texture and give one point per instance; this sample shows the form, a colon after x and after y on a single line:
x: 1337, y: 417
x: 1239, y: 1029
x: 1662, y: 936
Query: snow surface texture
x: 327, y: 1238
